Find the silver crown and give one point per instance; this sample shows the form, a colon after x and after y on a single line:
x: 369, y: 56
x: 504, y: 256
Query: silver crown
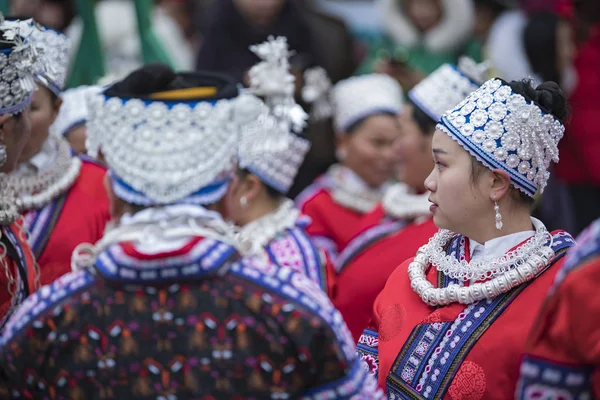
x: 163, y: 152
x: 504, y: 131
x: 17, y: 66
x: 269, y: 147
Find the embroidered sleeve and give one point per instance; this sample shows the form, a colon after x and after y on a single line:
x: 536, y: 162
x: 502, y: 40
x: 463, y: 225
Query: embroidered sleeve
x: 368, y: 352
x: 563, y: 351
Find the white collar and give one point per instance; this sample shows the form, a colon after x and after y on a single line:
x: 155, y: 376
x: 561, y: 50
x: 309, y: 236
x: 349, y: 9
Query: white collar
x: 401, y: 202
x: 499, y: 246
x: 42, y: 160
x: 260, y: 232
x: 351, y: 191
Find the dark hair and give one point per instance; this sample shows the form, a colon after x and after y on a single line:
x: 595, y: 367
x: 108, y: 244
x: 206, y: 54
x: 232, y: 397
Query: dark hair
x: 497, y: 7
x: 425, y: 122
x: 154, y: 78
x: 354, y: 127
x: 271, y: 192
x: 551, y: 99
x: 540, y: 39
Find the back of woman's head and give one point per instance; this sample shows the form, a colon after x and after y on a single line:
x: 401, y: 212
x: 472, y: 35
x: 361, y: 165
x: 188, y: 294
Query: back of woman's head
x: 548, y: 96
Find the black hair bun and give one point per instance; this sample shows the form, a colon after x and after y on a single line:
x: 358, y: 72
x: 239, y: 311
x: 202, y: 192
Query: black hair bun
x: 548, y: 96
x: 151, y: 78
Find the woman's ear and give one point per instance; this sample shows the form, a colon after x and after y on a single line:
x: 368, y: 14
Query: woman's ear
x: 56, y: 108
x: 252, y: 187
x: 500, y: 184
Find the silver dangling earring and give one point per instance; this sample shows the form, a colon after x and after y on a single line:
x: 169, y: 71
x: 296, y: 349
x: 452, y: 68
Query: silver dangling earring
x: 340, y: 154
x: 3, y: 155
x: 498, y: 216
x: 244, y: 202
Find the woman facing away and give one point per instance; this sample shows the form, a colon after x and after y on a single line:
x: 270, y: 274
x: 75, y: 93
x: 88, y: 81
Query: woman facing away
x: 365, y: 118
x: 451, y: 323
x: 19, y: 276
x: 402, y: 222
x: 62, y: 196
x: 562, y: 354
x: 270, y: 154
x: 164, y: 306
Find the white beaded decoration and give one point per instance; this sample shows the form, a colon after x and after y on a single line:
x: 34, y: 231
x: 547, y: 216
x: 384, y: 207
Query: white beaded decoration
x: 498, y: 216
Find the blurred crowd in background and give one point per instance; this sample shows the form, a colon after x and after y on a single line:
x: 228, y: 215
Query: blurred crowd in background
x: 556, y: 40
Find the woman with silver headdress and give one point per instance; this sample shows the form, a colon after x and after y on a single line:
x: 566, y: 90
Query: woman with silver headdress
x: 61, y: 195
x: 402, y: 222
x: 451, y: 323
x: 365, y: 110
x: 164, y: 306
x: 270, y: 154
x: 19, y: 276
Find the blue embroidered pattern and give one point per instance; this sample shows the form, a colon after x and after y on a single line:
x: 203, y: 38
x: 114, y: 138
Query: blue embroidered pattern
x: 45, y: 298
x: 40, y: 223
x: 368, y: 350
x: 294, y: 249
x: 433, y: 353
x: 541, y: 379
x: 207, y: 256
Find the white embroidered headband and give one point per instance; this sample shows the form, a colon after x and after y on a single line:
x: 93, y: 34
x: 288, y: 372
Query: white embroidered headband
x: 269, y: 146
x: 359, y: 97
x: 504, y: 131
x: 447, y: 86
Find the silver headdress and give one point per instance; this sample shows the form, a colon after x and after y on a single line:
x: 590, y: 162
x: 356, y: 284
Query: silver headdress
x: 504, y: 131
x: 447, y: 86
x: 317, y: 92
x: 269, y: 147
x: 165, y: 151
x: 18, y: 64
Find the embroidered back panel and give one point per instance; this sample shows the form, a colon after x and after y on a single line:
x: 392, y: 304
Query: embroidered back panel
x: 247, y: 330
x: 294, y: 249
x: 433, y: 353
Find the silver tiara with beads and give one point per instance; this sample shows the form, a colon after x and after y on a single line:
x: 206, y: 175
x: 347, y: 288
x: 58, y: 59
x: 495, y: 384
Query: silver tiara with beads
x: 504, y: 131
x: 17, y: 66
x: 269, y: 146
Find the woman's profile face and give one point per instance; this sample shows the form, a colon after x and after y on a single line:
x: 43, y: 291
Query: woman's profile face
x: 14, y: 136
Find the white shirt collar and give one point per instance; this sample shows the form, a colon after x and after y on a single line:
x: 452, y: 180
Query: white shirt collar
x: 499, y: 246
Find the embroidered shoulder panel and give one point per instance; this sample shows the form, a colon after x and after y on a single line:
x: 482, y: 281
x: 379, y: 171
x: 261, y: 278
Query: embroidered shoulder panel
x: 543, y: 379
x: 368, y: 350
x: 366, y: 239
x: 203, y: 259
x: 294, y: 249
x: 587, y: 248
x: 298, y: 289
x: 48, y: 297
x: 41, y: 223
x: 358, y: 384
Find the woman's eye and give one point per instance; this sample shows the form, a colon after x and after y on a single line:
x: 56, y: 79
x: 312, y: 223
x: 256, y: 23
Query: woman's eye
x: 439, y: 165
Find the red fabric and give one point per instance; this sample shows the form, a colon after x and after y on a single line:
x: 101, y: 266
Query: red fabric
x: 28, y: 262
x: 579, y: 149
x: 491, y: 369
x: 363, y: 279
x: 568, y: 330
x: 330, y: 219
x: 83, y: 219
